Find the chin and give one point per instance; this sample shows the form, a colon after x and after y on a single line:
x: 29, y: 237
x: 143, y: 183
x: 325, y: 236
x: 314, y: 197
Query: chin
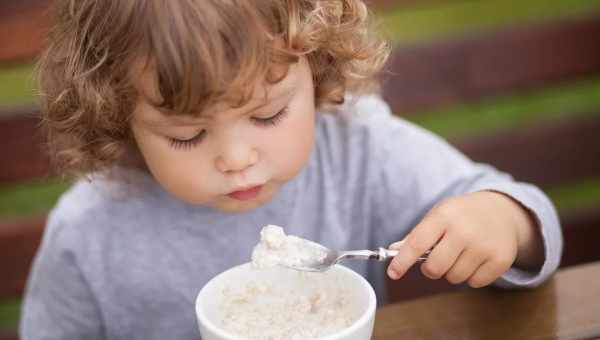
x: 234, y: 206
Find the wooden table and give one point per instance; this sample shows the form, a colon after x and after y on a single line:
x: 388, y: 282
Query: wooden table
x: 566, y: 307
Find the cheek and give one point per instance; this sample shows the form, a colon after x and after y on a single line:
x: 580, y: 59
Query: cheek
x: 292, y: 145
x: 183, y: 174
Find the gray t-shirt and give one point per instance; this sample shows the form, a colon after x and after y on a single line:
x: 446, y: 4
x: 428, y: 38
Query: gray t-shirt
x: 123, y: 259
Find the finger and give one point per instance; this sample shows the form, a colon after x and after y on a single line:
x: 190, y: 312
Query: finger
x: 464, y: 267
x: 424, y: 236
x: 442, y: 257
x: 487, y: 273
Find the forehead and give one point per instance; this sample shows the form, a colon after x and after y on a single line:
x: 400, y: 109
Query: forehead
x: 145, y: 81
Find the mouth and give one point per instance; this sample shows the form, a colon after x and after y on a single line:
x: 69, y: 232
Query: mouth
x: 246, y: 193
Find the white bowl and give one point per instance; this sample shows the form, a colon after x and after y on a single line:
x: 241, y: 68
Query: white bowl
x: 359, y: 292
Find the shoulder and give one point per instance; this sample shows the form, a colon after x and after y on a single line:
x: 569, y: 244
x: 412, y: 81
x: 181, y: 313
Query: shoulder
x: 366, y: 117
x: 351, y: 123
x: 347, y: 146
x: 98, y: 206
x: 364, y: 127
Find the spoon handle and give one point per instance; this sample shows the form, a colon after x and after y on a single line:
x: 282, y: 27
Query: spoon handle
x: 384, y: 254
x: 359, y: 254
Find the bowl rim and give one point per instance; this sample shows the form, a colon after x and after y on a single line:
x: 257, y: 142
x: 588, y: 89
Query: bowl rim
x: 361, y: 321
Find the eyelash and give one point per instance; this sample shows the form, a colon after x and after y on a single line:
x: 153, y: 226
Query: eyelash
x: 273, y: 120
x: 188, y: 144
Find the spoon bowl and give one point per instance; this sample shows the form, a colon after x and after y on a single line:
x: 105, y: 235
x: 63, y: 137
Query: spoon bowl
x: 331, y: 257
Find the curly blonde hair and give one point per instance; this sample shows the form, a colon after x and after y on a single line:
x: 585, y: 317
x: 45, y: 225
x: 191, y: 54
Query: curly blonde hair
x: 87, y: 96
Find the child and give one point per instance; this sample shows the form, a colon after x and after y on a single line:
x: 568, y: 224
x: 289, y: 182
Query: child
x: 195, y: 123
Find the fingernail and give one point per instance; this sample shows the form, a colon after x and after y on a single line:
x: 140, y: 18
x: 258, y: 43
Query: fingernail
x: 393, y: 274
x: 396, y: 245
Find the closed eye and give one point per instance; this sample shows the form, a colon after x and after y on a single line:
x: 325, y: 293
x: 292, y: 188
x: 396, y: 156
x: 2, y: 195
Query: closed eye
x: 187, y: 144
x: 271, y: 121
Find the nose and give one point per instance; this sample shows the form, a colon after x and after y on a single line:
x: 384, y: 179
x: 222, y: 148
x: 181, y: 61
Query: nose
x: 236, y: 156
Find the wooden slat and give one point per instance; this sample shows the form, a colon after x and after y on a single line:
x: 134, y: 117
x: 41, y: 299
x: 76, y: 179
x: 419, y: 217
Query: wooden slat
x: 8, y: 8
x: 19, y: 240
x: 29, y: 20
x: 9, y: 335
x: 425, y: 76
x: 546, y: 155
x: 24, y: 23
x: 567, y: 307
x: 21, y: 146
x: 527, y: 57
x: 581, y: 232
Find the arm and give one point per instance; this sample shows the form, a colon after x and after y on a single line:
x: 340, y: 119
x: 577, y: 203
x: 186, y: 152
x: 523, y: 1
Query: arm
x: 429, y: 192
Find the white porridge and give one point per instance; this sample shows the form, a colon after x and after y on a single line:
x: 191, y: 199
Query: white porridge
x: 315, y: 305
x: 277, y: 248
x: 284, y: 304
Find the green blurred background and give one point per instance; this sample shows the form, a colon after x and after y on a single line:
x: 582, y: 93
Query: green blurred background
x: 406, y: 25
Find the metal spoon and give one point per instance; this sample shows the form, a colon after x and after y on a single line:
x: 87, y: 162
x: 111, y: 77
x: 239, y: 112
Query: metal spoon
x: 329, y: 257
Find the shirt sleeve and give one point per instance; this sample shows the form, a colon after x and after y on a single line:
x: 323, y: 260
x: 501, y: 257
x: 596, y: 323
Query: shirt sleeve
x: 415, y: 169
x: 58, y: 303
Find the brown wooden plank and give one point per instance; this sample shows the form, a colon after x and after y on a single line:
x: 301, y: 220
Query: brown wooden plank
x: 566, y: 308
x: 28, y: 22
x: 24, y: 23
x: 521, y: 58
x: 8, y: 8
x: 546, y: 155
x: 21, y: 146
x: 19, y: 240
x: 581, y: 232
x: 9, y: 335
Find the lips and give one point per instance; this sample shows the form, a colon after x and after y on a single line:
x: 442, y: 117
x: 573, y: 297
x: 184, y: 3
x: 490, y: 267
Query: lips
x: 245, y: 194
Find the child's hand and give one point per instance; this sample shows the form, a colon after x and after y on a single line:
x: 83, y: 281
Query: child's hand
x: 475, y: 238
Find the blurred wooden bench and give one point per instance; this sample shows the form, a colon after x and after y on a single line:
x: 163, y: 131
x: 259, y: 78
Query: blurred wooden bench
x: 23, y: 24
x: 515, y: 60
x: 425, y: 76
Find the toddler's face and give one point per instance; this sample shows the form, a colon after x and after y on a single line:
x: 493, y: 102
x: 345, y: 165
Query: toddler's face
x: 230, y: 159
